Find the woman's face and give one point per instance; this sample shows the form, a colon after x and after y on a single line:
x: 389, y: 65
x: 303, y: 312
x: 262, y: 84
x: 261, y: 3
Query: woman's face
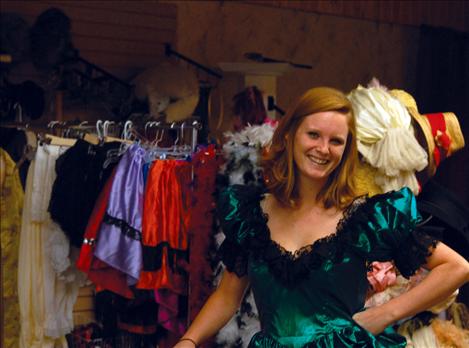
x: 319, y: 144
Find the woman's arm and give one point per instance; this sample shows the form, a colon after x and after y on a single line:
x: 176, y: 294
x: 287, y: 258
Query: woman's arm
x: 449, y: 271
x: 217, y: 311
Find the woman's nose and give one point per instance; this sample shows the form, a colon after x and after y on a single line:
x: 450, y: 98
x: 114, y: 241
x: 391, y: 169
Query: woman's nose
x: 323, y: 146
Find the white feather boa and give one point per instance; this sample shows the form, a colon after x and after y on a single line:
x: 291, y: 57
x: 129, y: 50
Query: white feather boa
x: 242, y: 152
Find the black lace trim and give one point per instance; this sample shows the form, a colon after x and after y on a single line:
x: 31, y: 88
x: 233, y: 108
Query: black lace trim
x: 125, y: 228
x: 307, y: 249
x: 289, y: 266
x: 234, y: 257
x: 420, y: 245
x: 153, y: 257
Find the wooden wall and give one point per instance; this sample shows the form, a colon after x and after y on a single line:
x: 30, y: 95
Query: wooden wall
x: 123, y: 37
x: 450, y: 14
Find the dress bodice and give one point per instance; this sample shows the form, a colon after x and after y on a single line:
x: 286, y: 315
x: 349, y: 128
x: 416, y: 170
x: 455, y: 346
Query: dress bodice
x: 308, y: 298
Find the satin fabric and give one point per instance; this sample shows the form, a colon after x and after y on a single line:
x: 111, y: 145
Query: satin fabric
x: 165, y: 226
x: 308, y: 298
x: 165, y: 239
x: 120, y: 234
x: 100, y: 273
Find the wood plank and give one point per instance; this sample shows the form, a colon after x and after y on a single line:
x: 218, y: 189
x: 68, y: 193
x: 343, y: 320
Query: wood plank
x: 160, y: 9
x: 83, y: 318
x: 84, y: 303
x: 142, y: 20
x: 130, y: 47
x: 450, y: 14
x: 110, y: 31
x: 86, y: 290
x: 113, y: 60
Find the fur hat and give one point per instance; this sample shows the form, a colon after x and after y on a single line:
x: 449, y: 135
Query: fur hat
x: 439, y: 133
x: 171, y: 91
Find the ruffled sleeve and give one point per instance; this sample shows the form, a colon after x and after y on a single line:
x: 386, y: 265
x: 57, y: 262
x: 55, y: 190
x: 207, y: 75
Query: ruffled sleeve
x: 386, y: 229
x: 239, y: 212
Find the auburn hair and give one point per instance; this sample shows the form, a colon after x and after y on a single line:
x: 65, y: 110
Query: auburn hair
x: 278, y: 162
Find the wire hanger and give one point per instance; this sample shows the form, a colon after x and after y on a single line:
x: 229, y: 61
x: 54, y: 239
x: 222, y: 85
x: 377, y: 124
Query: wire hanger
x: 114, y: 155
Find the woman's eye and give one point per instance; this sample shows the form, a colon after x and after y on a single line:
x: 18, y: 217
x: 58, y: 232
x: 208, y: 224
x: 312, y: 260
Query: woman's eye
x: 313, y: 135
x: 337, y: 141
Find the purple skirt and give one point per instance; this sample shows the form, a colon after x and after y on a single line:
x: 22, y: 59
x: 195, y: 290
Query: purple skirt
x: 120, y: 234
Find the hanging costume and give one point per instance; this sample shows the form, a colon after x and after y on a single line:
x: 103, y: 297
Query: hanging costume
x: 80, y: 178
x: 165, y: 240
x: 205, y: 163
x: 99, y: 272
x: 121, y: 231
x: 47, y: 281
x: 305, y: 298
x: 11, y: 205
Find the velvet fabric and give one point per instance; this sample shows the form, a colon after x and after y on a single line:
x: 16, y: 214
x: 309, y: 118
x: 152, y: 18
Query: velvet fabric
x: 80, y: 178
x: 307, y: 298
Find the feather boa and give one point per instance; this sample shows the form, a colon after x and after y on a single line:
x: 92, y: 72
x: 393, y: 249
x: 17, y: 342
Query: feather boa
x: 242, y: 151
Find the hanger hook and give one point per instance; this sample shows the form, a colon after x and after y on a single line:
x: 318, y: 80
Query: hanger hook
x: 106, y: 127
x: 99, y: 129
x: 177, y: 133
x: 182, y: 130
x: 160, y: 138
x: 126, y: 130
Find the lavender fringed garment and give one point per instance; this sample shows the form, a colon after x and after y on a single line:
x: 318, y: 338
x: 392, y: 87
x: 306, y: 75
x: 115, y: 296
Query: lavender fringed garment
x: 119, y: 242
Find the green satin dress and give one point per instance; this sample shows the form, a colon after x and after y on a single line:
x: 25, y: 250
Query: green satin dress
x: 308, y: 298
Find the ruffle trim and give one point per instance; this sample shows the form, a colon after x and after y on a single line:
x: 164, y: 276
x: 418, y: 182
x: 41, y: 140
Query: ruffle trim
x: 412, y: 252
x: 420, y: 245
x: 346, y: 337
x: 253, y: 238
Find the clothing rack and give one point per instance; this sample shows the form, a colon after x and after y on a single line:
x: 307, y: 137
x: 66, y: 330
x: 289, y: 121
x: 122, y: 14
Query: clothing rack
x: 194, y: 126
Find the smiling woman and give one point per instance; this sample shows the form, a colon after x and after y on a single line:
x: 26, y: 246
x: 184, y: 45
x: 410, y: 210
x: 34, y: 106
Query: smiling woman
x: 319, y: 144
x: 329, y: 109
x: 304, y: 243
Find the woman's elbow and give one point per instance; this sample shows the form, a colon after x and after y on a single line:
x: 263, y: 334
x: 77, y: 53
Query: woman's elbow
x: 466, y: 272
x: 460, y: 270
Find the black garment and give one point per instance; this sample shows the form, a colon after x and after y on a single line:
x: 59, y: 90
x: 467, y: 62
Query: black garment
x: 445, y: 213
x: 446, y: 218
x: 14, y: 142
x: 80, y: 179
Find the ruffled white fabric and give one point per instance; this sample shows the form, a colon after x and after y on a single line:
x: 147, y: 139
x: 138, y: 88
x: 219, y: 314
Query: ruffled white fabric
x: 386, y: 139
x: 48, y: 282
